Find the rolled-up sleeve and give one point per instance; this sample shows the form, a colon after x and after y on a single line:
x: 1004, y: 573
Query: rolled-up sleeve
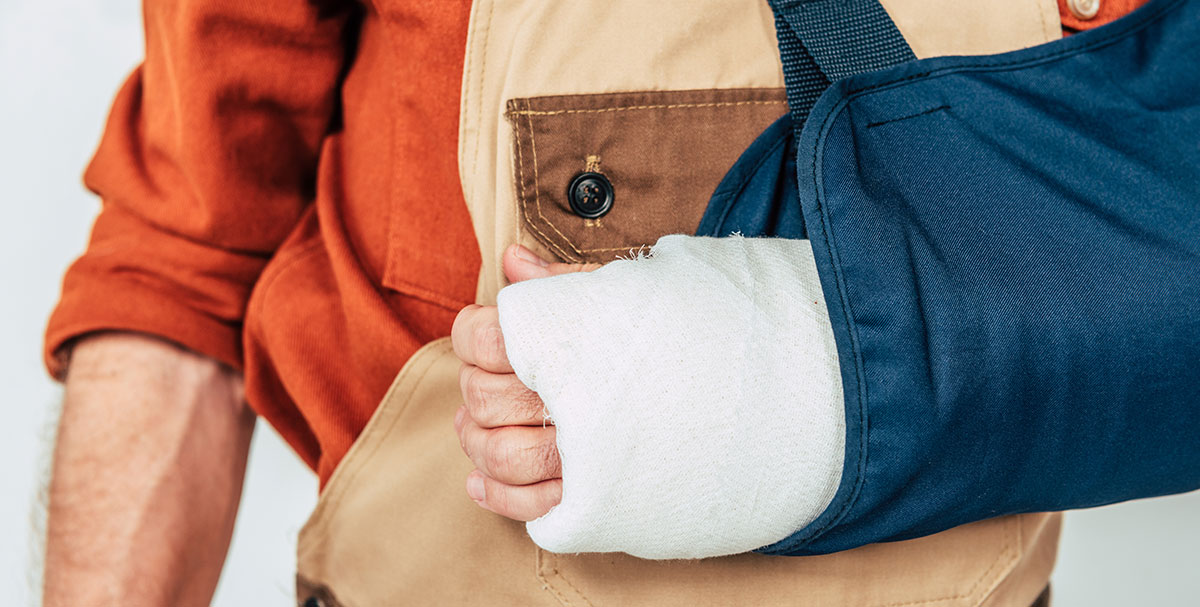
x: 206, y: 163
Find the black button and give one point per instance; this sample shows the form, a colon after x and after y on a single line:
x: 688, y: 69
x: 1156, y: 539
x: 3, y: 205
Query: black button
x: 314, y: 602
x: 590, y: 195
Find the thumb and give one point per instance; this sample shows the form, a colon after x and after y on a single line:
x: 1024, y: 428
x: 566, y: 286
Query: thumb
x: 522, y: 264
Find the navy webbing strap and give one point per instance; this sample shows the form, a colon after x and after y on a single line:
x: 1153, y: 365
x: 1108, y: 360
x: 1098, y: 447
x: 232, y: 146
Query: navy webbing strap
x: 821, y: 41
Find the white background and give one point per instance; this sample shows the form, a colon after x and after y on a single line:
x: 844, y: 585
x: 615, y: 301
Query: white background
x: 60, y: 65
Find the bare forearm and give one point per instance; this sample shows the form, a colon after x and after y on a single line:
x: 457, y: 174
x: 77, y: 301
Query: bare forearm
x: 147, y: 475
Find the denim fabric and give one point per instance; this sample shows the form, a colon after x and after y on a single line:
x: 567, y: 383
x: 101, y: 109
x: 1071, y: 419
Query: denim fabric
x: 1009, y: 247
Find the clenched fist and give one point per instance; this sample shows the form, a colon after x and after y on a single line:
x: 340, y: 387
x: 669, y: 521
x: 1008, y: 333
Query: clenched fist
x: 502, y: 426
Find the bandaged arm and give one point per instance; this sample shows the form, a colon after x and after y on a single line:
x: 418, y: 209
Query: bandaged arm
x: 696, y: 393
x: 698, y: 398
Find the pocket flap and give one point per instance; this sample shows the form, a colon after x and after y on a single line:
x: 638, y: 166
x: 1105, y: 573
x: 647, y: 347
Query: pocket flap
x: 663, y: 152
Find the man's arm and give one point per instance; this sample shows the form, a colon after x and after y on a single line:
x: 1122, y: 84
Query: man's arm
x: 696, y: 411
x: 207, y: 163
x: 664, y: 449
x: 147, y: 474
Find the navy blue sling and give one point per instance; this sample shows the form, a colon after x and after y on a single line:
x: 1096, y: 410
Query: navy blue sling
x: 1009, y: 248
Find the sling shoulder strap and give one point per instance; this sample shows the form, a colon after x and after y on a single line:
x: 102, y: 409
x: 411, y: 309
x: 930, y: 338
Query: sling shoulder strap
x: 822, y: 41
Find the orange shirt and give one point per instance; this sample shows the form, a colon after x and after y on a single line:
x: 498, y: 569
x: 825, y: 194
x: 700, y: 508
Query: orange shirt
x: 1106, y: 12
x: 280, y: 192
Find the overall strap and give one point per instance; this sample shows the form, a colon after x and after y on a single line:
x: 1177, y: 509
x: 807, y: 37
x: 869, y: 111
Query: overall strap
x: 822, y: 41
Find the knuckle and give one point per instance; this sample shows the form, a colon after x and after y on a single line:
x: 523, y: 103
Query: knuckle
x: 549, y: 495
x: 527, y: 400
x: 552, y: 496
x: 521, y: 462
x: 520, y: 459
x: 489, y: 343
x: 537, y: 461
x: 466, y: 440
x: 474, y: 392
x: 463, y: 320
x: 514, y: 403
x: 498, y: 498
x: 505, y: 412
x: 545, y: 459
x: 465, y: 371
x: 497, y: 456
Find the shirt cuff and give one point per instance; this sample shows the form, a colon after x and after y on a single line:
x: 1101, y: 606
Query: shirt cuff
x: 92, y: 304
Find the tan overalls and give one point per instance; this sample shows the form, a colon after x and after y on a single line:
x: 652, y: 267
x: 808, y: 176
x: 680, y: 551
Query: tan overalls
x: 551, y: 89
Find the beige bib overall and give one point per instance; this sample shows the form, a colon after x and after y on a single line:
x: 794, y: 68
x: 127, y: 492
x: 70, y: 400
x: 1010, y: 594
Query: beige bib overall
x: 661, y: 96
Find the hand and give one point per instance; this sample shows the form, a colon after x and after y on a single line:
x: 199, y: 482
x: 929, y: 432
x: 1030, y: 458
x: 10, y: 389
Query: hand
x: 501, y: 425
x: 698, y: 407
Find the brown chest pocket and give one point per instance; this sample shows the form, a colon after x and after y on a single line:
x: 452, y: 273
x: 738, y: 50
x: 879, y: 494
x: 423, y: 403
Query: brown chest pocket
x: 657, y: 156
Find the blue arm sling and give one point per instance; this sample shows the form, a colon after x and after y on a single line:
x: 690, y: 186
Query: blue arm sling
x: 1009, y: 248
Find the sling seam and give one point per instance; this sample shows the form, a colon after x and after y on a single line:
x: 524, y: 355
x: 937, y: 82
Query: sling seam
x: 917, y: 115
x: 1013, y: 64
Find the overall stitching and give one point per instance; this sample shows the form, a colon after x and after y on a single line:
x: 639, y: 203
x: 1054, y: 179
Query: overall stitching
x: 537, y: 570
x: 370, y: 440
x: 999, y: 562
x: 536, y: 180
x: 555, y: 571
x: 486, y: 30
x: 524, y: 198
x: 623, y: 108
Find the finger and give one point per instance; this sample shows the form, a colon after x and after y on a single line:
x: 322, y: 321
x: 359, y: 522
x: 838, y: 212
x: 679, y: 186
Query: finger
x: 522, y: 264
x: 500, y: 399
x: 515, y: 455
x: 459, y: 417
x: 477, y: 339
x: 523, y: 503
